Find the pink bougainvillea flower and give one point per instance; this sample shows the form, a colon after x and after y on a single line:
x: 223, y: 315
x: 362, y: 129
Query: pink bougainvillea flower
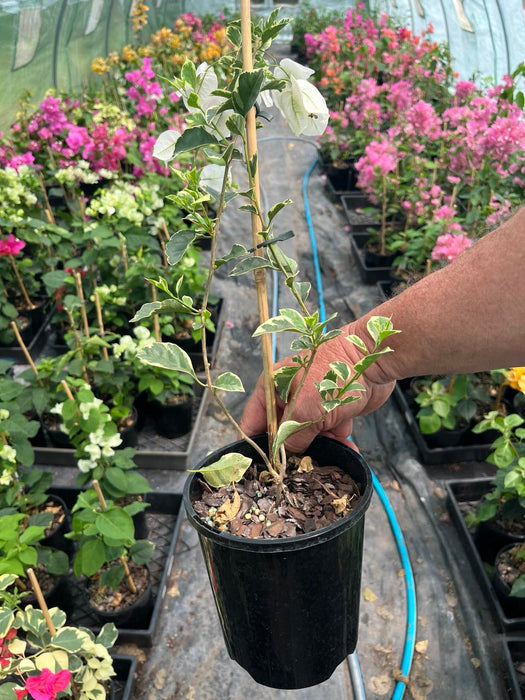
x: 449, y: 246
x: 47, y: 685
x: 11, y: 245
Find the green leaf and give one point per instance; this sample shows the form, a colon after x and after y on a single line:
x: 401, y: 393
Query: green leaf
x: 303, y: 289
x: 227, y: 381
x: 356, y: 340
x: 341, y: 369
x: 142, y: 551
x: 247, y: 91
x: 273, y: 211
x: 68, y: 638
x: 188, y: 73
x: 287, y: 428
x: 283, y: 379
x: 178, y: 244
x: 237, y: 251
x: 429, y: 424
x: 107, y: 635
x: 117, y: 478
x: 296, y: 319
x: 249, y: 265
x: 380, y: 328
x: 192, y: 138
x: 236, y: 124
x: 89, y: 558
x: 116, y: 525
x: 167, y: 356
x: 6, y: 619
x: 228, y: 468
x: 518, y: 587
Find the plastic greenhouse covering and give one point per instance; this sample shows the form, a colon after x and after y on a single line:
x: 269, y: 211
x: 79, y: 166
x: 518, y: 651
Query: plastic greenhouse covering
x: 51, y: 43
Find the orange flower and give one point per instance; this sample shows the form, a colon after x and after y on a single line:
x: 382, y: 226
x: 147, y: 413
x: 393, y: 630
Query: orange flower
x: 99, y: 66
x: 128, y: 54
x: 516, y: 378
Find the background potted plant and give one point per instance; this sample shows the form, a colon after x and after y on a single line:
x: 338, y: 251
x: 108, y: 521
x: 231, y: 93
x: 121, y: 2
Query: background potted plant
x: 499, y: 516
x: 113, y: 562
x: 43, y: 657
x: 221, y: 101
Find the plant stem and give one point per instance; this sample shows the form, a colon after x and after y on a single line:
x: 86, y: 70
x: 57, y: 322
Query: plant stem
x: 156, y: 325
x: 80, y: 292
x: 100, y: 323
x: 382, y: 240
x: 123, y: 561
x: 204, y: 305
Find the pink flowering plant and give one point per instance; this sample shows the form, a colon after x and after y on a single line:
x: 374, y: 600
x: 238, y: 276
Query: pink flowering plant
x: 373, y: 46
x: 36, y: 664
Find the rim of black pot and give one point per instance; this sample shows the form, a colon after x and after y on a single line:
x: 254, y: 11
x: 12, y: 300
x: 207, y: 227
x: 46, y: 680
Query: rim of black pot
x: 307, y: 539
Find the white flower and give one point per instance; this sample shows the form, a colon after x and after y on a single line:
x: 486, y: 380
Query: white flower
x: 86, y: 465
x: 110, y: 443
x: 4, y: 414
x: 141, y: 332
x: 164, y: 148
x: 85, y: 408
x: 300, y: 103
x: 57, y: 408
x: 8, y: 453
x: 6, y: 477
x: 93, y: 451
x: 125, y: 345
x: 211, y: 178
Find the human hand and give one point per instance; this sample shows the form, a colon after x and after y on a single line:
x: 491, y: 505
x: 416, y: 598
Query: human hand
x: 338, y: 423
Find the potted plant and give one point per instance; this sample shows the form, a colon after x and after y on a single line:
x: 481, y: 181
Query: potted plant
x: 282, y: 634
x: 41, y: 656
x: 21, y: 547
x: 112, y: 560
x: 499, y: 516
x: 448, y: 407
x: 95, y: 437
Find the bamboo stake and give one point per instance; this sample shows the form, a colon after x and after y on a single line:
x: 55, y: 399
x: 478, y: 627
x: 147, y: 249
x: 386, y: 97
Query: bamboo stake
x: 164, y: 255
x: 156, y: 325
x: 123, y: 561
x: 100, y: 323
x: 67, y: 390
x: 22, y: 286
x: 165, y: 229
x: 41, y: 601
x: 25, y: 351
x: 259, y: 275
x: 48, y: 210
x: 80, y: 293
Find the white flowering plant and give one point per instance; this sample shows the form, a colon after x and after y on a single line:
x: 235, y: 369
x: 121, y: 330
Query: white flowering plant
x: 222, y: 100
x: 87, y: 421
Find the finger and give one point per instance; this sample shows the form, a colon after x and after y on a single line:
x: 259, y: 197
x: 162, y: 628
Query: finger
x: 253, y: 419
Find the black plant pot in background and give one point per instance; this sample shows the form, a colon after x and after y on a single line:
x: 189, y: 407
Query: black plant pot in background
x: 137, y: 614
x: 129, y: 433
x: 373, y: 259
x: 289, y: 608
x: 512, y: 605
x: 56, y: 537
x: 172, y: 420
x: 489, y: 538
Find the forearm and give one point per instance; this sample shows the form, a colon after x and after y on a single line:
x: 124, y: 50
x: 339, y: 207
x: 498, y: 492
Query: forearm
x: 466, y: 317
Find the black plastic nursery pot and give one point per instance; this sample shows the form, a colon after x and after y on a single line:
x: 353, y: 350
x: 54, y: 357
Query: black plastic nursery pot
x: 370, y: 274
x: 289, y: 608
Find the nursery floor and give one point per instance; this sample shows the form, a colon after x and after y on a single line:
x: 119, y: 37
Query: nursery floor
x: 460, y: 653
